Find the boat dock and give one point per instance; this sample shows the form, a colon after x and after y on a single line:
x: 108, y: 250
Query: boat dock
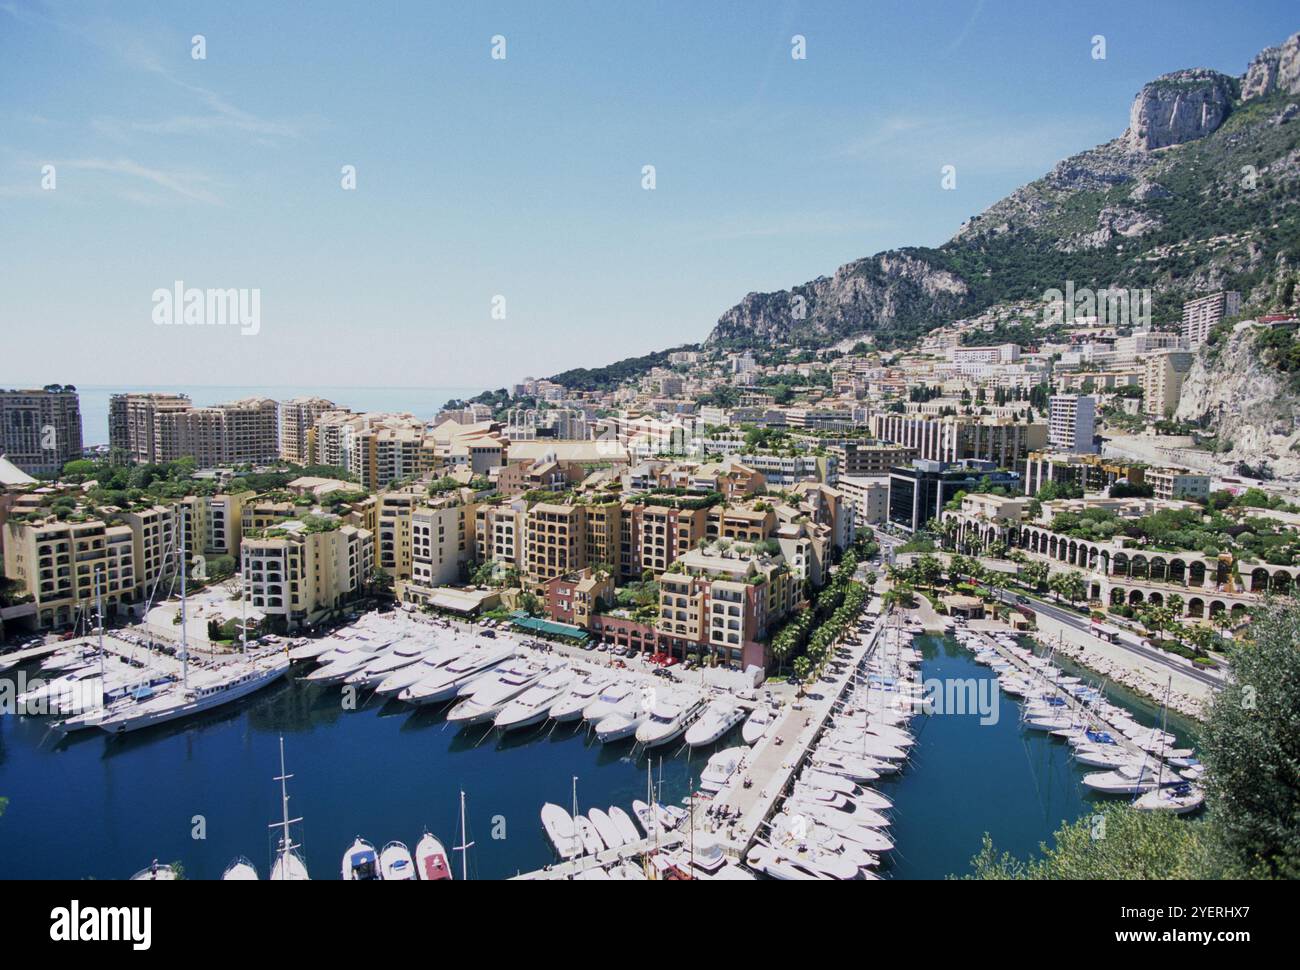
x: 574, y: 868
x: 751, y: 798
x: 1072, y: 703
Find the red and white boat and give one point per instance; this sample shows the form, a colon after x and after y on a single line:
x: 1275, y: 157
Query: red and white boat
x: 431, y: 859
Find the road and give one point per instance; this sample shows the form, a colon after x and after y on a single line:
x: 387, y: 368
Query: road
x: 1070, y: 618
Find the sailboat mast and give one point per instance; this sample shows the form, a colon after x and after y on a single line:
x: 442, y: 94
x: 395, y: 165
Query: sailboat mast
x: 465, y: 844
x: 185, y: 648
x: 99, y: 606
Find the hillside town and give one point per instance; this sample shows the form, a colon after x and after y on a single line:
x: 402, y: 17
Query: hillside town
x: 686, y: 511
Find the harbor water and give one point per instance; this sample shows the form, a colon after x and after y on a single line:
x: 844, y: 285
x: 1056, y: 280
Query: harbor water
x: 201, y: 792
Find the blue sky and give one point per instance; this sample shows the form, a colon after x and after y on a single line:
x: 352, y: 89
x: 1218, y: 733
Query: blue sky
x: 519, y: 177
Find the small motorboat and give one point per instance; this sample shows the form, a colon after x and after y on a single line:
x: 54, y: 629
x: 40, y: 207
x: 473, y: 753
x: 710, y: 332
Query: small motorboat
x: 605, y: 828
x: 360, y: 862
x: 592, y: 843
x: 560, y: 829
x: 626, y: 827
x: 431, y: 859
x: 1179, y: 799
x: 395, y: 862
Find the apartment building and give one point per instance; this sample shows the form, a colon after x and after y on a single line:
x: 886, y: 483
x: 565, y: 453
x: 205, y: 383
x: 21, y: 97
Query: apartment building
x: 393, y: 541
x: 223, y: 521
x: 869, y: 495
x: 722, y: 600
x: 952, y: 438
x: 297, y: 419
x: 499, y: 533
x: 133, y: 420
x: 1091, y: 473
x: 40, y: 430
x: 297, y: 574
x: 1177, y: 483
x: 555, y: 542
x: 1201, y: 315
x: 60, y: 563
x: 442, y: 542
x: 152, y: 428
x: 662, y: 533
x: 1164, y: 373
x: 1072, y: 422
x: 861, y: 458
x: 782, y: 471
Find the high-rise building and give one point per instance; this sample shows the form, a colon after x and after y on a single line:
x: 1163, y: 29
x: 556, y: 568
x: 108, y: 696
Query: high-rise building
x: 1200, y: 315
x: 297, y: 417
x: 40, y: 430
x: 1071, y: 422
x: 1162, y: 381
x: 961, y: 437
x: 132, y: 423
x: 153, y: 428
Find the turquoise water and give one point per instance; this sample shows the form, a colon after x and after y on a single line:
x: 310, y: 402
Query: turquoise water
x: 968, y: 778
x: 93, y: 806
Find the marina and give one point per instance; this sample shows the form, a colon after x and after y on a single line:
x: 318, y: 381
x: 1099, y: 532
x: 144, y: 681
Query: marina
x: 765, y: 765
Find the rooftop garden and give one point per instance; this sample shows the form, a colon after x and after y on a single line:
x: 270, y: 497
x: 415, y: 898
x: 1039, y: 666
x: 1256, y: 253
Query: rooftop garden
x: 1249, y: 538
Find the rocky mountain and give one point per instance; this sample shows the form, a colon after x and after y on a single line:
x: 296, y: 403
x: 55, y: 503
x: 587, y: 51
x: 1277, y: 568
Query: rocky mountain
x: 1251, y: 407
x: 1201, y: 191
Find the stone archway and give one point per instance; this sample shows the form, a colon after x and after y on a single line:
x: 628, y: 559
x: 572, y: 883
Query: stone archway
x: 1135, y: 597
x: 1196, y: 607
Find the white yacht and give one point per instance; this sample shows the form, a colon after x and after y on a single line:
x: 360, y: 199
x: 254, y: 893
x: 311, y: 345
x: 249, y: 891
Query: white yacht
x: 669, y: 720
x: 205, y: 690
x: 592, y: 843
x: 338, y: 665
x: 531, y: 707
x: 1180, y: 799
x: 431, y: 859
x: 492, y: 696
x: 398, y: 658
x: 626, y: 827
x: 716, y: 720
x: 619, y: 696
x: 443, y: 683
x: 620, y: 724
x: 719, y: 769
x: 758, y: 724
x: 437, y: 658
x: 570, y: 705
x: 396, y: 863
x: 360, y: 862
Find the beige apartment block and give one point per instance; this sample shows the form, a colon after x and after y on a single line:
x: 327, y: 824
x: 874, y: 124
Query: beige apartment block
x: 1162, y: 381
x: 299, y: 574
x: 40, y: 430
x: 297, y: 418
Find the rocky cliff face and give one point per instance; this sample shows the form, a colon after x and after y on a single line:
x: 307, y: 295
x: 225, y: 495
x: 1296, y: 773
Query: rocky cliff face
x: 863, y: 294
x: 1246, y: 405
x: 1274, y: 69
x: 1178, y: 108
